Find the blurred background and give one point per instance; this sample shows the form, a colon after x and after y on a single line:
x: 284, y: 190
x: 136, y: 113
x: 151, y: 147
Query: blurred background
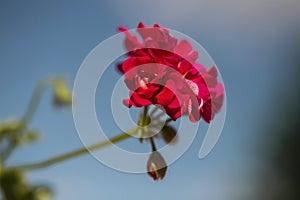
x: 256, y: 46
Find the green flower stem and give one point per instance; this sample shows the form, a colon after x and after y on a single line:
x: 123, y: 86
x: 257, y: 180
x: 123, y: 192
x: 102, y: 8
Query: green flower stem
x: 145, y: 116
x: 73, y: 154
x: 151, y: 138
x: 35, y: 99
x: 152, y: 144
x: 58, y: 159
x: 29, y: 113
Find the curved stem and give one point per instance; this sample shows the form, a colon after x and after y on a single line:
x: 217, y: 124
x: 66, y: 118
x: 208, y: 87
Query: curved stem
x: 75, y: 153
x: 29, y: 113
x: 35, y: 99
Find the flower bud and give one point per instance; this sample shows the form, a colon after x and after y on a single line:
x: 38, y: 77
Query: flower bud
x: 10, y: 127
x: 169, y: 134
x: 27, y: 137
x: 39, y: 193
x: 156, y: 166
x: 62, y: 93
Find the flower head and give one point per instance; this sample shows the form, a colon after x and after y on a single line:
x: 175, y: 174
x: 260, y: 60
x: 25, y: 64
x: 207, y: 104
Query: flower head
x: 163, y: 71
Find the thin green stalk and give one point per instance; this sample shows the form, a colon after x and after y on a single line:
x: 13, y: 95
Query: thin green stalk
x: 35, y: 99
x: 151, y: 138
x: 145, y: 115
x: 78, y: 152
x: 29, y: 113
x: 152, y: 144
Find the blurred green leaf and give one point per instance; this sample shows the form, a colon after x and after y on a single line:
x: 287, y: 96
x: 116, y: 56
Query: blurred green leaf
x: 13, y: 185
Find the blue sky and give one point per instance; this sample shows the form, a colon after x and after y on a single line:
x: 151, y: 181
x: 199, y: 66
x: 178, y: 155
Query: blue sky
x: 249, y: 41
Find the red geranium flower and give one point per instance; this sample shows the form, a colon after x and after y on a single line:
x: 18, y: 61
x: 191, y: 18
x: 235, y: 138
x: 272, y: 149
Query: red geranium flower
x: 160, y: 70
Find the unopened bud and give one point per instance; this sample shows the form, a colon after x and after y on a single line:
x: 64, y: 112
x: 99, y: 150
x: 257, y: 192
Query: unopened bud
x: 10, y: 127
x: 62, y: 93
x: 156, y: 166
x: 169, y: 134
x: 40, y: 193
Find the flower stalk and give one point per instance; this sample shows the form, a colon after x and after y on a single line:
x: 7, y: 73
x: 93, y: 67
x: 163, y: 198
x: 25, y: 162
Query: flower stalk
x: 67, y: 156
x: 35, y: 99
x: 75, y: 153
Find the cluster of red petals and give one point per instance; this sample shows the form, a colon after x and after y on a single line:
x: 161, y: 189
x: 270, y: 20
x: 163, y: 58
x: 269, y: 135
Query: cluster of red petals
x: 163, y: 71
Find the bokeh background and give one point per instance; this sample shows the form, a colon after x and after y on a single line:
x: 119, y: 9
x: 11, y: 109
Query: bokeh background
x: 256, y: 46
